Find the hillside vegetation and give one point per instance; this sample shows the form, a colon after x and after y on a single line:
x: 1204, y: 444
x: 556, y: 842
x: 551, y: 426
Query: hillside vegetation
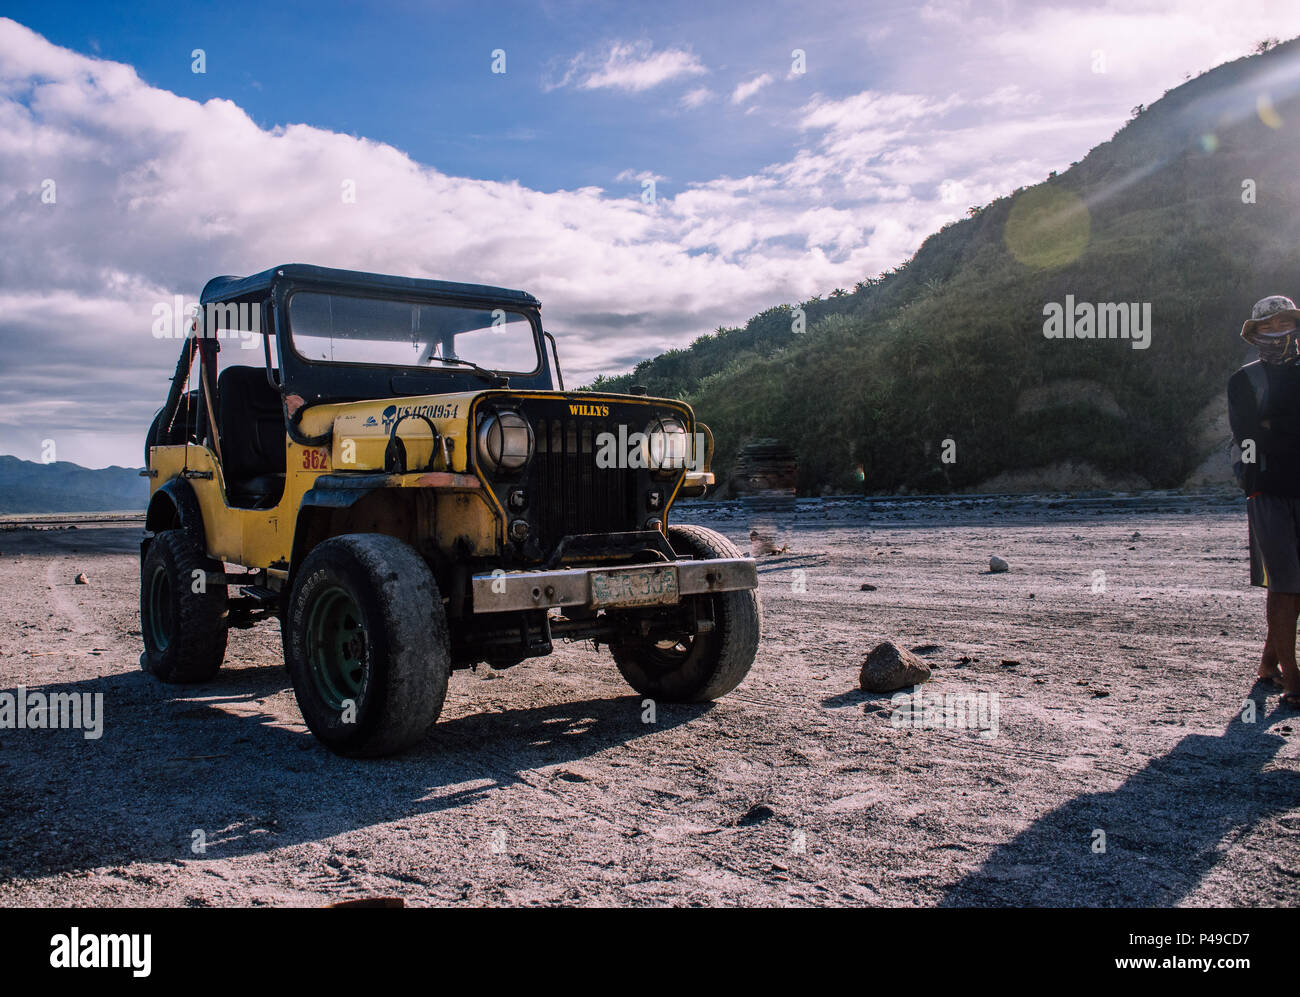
x: 950, y: 345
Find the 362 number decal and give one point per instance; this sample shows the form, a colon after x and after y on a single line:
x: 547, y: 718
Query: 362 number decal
x: 315, y: 460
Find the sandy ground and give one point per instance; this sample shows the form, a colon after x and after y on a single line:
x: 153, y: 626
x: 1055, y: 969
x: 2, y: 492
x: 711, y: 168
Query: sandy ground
x: 1121, y: 712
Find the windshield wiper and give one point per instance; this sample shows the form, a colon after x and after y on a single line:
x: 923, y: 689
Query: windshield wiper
x: 491, y: 376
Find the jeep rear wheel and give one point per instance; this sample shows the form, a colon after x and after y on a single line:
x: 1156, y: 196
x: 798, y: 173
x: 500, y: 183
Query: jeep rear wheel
x: 695, y: 668
x: 366, y: 643
x: 182, y: 610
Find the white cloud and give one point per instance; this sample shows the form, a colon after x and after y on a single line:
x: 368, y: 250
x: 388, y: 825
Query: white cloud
x: 747, y: 89
x: 956, y: 12
x: 869, y: 109
x: 698, y: 96
x: 632, y: 67
x: 1141, y: 47
x: 638, y: 176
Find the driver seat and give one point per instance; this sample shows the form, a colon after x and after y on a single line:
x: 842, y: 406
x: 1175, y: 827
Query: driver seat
x: 251, y: 425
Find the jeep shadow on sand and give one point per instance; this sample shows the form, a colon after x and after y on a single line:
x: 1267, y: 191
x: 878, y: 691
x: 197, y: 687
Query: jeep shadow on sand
x: 395, y: 471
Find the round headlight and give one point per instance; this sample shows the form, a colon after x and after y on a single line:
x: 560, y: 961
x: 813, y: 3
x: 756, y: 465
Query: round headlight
x: 505, y: 441
x: 667, y: 444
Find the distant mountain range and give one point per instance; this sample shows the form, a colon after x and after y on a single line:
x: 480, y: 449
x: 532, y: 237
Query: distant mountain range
x: 26, y: 486
x: 946, y: 374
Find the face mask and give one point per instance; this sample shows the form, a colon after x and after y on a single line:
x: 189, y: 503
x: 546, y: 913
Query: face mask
x: 1278, y: 347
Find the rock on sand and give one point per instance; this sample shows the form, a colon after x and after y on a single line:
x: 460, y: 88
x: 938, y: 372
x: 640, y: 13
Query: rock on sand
x: 888, y: 667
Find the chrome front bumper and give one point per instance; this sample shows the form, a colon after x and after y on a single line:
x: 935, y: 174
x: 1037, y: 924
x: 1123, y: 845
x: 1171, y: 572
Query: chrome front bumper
x: 599, y: 588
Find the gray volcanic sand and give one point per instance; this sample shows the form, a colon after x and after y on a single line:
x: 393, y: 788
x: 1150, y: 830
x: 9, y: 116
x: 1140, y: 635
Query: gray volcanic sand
x: 1122, y: 716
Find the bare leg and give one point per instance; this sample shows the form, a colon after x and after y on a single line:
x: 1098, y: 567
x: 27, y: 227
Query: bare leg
x: 1268, y: 670
x: 1283, y: 609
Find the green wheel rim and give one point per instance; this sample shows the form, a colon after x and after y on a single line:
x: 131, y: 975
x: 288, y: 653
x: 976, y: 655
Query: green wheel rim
x: 160, y: 609
x: 336, y: 646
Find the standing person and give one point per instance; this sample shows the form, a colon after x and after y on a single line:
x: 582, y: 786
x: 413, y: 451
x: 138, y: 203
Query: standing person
x: 1264, y: 412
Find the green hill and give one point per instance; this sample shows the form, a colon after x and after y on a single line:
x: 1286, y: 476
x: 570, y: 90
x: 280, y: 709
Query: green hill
x: 951, y: 345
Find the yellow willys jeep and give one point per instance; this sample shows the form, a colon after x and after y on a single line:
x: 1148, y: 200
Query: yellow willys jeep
x: 391, y: 467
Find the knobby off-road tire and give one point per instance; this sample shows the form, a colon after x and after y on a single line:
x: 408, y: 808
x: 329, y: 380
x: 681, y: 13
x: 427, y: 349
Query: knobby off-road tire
x: 184, y: 630
x: 366, y: 643
x: 708, y: 665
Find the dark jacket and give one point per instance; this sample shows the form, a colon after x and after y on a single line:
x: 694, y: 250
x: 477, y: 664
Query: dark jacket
x: 1275, y: 429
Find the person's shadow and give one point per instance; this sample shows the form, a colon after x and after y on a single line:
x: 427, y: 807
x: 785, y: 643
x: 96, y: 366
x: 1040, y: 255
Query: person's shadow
x: 1163, y: 827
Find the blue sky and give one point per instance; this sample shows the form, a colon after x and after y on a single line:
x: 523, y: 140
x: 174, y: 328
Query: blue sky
x: 770, y: 184
x: 419, y: 76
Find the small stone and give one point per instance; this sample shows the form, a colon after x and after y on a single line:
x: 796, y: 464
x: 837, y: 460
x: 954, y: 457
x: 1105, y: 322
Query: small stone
x: 762, y: 544
x: 756, y: 815
x: 996, y: 565
x: 867, y: 587
x: 1009, y: 663
x: 82, y: 579
x: 888, y: 668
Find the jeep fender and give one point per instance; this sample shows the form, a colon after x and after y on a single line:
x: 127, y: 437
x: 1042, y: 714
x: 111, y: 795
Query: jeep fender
x: 173, y: 506
x: 314, y: 512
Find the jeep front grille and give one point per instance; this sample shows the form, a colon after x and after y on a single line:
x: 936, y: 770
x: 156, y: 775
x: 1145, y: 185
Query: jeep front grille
x: 573, y: 495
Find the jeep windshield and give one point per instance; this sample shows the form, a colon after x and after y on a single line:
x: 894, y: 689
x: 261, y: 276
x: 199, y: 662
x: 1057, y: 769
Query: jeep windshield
x: 348, y: 329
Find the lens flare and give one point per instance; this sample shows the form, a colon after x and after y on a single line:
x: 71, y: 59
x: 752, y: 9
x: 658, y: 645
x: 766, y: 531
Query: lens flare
x: 1047, y: 227
x: 1267, y: 112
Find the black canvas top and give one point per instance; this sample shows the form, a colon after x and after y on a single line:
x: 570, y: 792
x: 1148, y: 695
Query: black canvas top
x: 224, y: 289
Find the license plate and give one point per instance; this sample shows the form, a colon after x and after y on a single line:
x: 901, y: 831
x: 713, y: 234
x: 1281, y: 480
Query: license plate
x: 653, y: 585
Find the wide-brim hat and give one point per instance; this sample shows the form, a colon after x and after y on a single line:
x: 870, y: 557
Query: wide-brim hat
x: 1267, y: 308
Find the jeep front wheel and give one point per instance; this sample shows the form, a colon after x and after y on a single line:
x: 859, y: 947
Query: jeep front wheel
x: 366, y: 643
x: 182, y: 609
x: 702, y: 666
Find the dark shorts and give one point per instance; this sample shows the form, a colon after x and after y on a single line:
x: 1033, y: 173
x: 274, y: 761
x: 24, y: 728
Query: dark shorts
x: 1274, y: 522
